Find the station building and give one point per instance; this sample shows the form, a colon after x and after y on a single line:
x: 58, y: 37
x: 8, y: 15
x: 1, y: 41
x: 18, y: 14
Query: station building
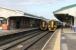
x: 15, y: 19
x: 67, y: 15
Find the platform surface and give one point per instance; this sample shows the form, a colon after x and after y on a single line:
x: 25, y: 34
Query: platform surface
x: 68, y: 39
x: 7, y: 32
x: 68, y: 30
x: 53, y: 42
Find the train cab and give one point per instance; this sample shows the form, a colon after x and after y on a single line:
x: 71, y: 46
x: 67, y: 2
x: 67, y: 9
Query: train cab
x: 52, y: 25
x: 43, y: 25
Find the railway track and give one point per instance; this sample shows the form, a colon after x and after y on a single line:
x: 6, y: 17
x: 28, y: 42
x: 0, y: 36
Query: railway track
x: 6, y: 39
x: 26, y: 41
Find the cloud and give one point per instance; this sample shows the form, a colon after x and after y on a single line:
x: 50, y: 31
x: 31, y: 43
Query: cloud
x: 22, y: 2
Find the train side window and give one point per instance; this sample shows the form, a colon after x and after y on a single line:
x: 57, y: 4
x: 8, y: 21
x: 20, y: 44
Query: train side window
x: 4, y: 21
x: 0, y: 22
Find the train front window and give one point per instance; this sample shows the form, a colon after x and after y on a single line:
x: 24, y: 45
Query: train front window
x: 52, y: 24
x: 4, y: 22
x: 43, y: 23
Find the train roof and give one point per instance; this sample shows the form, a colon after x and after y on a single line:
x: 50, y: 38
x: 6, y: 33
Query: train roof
x: 65, y: 9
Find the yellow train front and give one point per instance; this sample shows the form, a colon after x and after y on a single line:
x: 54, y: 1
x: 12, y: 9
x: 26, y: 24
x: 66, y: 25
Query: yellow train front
x: 52, y: 25
x: 43, y: 25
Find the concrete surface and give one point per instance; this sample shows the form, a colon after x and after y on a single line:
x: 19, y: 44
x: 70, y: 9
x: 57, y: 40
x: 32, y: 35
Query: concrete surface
x: 68, y: 39
x: 53, y: 42
x: 68, y: 30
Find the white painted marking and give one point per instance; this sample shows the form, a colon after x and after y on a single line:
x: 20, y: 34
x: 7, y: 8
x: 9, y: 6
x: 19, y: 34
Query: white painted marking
x: 19, y: 46
x: 63, y: 37
x: 64, y: 46
x: 47, y: 41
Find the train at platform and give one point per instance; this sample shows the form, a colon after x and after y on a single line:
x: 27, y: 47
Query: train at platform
x: 51, y: 25
x: 43, y: 25
x: 16, y: 19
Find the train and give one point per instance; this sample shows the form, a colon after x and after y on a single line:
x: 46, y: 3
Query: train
x: 19, y: 22
x: 43, y: 25
x: 51, y: 25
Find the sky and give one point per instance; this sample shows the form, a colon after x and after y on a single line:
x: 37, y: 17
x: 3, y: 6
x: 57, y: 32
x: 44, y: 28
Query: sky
x: 43, y: 8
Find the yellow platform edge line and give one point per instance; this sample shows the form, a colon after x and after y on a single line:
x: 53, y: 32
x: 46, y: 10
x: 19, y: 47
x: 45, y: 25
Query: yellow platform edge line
x: 57, y: 41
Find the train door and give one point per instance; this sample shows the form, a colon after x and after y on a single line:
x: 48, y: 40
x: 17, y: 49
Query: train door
x: 18, y: 21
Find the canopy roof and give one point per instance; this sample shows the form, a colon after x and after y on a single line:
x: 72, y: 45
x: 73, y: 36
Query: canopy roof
x: 65, y: 8
x: 66, y: 13
x: 6, y: 13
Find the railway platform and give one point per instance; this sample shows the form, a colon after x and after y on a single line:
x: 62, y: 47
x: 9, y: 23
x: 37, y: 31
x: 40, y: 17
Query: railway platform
x: 63, y: 39
x: 68, y: 30
x: 68, y: 39
x: 53, y: 42
x: 8, y: 32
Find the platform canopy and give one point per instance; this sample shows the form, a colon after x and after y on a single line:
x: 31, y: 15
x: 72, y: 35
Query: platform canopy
x: 6, y: 13
x: 66, y: 14
x: 71, y: 10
